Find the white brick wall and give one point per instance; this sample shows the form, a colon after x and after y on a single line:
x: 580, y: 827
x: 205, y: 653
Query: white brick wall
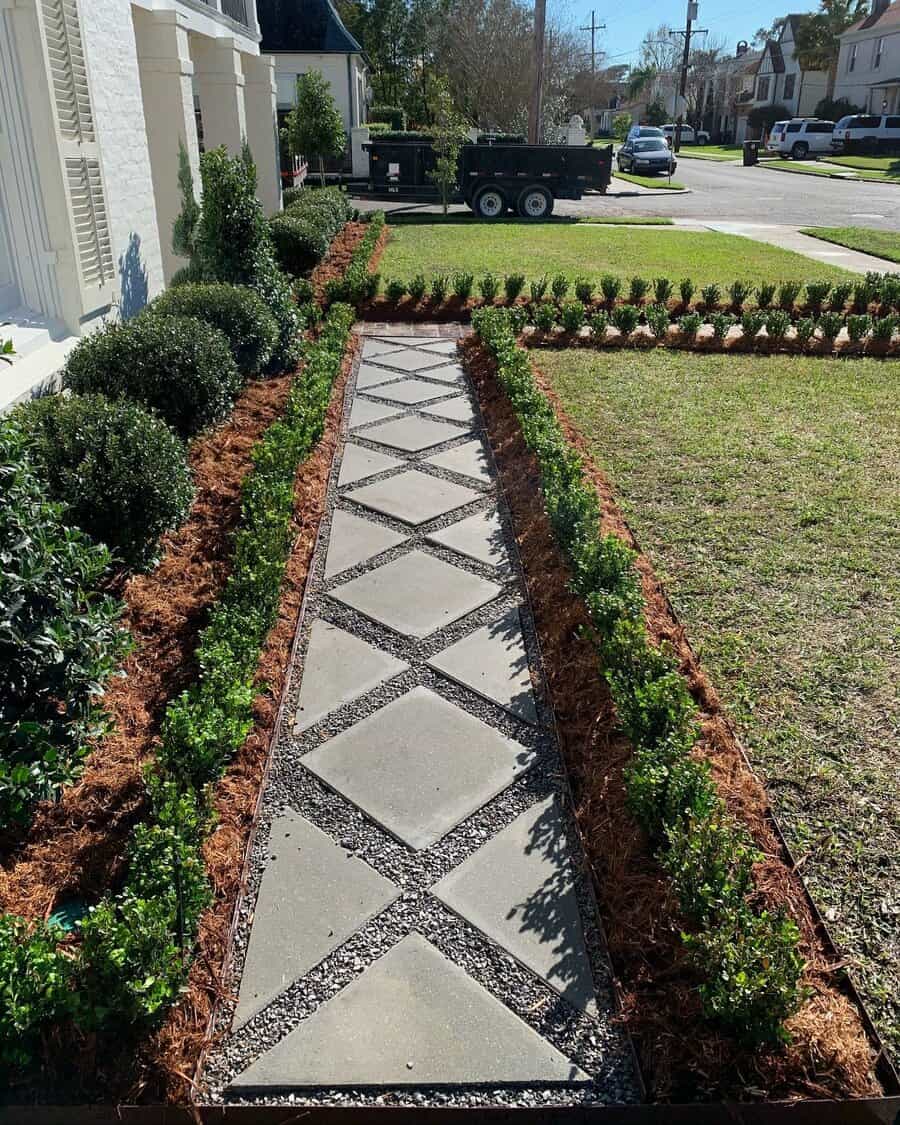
x: 119, y: 115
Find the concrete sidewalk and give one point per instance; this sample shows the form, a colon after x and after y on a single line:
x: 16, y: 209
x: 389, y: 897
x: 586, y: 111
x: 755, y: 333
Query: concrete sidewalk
x: 789, y: 238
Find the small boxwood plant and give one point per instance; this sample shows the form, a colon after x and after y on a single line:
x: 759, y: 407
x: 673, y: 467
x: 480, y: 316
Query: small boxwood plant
x: 463, y: 284
x: 513, y: 285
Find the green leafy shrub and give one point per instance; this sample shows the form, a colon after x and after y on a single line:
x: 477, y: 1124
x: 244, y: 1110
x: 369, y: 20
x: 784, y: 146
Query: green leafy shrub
x: 299, y: 241
x: 395, y: 290
x: 689, y: 325
x: 858, y: 324
x: 830, y: 324
x: 709, y: 860
x: 883, y: 327
x: 440, y: 285
x: 840, y: 295
x: 559, y: 286
x: 765, y: 294
x: 610, y: 287
x: 890, y: 291
x: 817, y: 294
x: 599, y: 324
x: 778, y: 321
x: 658, y: 320
x: 463, y: 284
x: 720, y: 322
x: 513, y: 285
x: 358, y: 284
x: 686, y: 291
x: 626, y: 318
x: 59, y: 639
x: 740, y: 293
x: 711, y: 295
x: 662, y: 290
x: 391, y: 115
x: 637, y: 290
x: 545, y: 317
x: 237, y: 311
x: 177, y: 365
x: 584, y: 290
x: 864, y: 293
x: 417, y: 286
x: 538, y: 288
x: 806, y: 327
x: 788, y: 292
x: 751, y: 324
x: 329, y: 206
x: 36, y: 988
x: 489, y: 287
x: 303, y: 290
x: 571, y: 314
x: 119, y: 470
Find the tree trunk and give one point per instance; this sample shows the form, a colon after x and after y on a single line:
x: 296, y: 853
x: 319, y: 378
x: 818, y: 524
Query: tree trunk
x: 322, y: 169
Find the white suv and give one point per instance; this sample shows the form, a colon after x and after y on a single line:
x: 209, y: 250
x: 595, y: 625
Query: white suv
x: 801, y: 137
x: 866, y: 132
x: 689, y: 135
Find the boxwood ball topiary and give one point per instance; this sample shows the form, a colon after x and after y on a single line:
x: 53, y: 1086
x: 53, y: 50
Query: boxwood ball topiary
x: 180, y: 366
x: 236, y: 310
x: 119, y: 470
x: 300, y: 241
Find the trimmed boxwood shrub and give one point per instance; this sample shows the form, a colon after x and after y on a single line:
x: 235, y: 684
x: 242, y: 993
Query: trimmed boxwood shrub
x: 119, y: 470
x: 177, y: 365
x: 59, y: 639
x: 300, y: 241
x: 235, y: 310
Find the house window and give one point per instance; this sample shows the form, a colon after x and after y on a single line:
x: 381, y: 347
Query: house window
x: 762, y: 89
x: 851, y: 58
x: 879, y: 51
x: 789, y: 81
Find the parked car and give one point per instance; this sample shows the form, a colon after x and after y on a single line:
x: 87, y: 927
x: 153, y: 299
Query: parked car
x: 689, y: 135
x: 867, y: 132
x: 647, y: 156
x: 801, y: 137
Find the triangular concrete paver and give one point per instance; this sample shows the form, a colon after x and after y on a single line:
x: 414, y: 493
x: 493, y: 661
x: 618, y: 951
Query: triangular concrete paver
x: 413, y: 433
x: 358, y: 463
x: 353, y: 540
x: 450, y: 373
x: 412, y: 1019
x: 413, y: 497
x: 409, y: 391
x: 377, y: 347
x: 313, y: 896
x: 370, y: 375
x: 532, y: 911
x: 493, y: 662
x: 444, y: 347
x: 416, y: 594
x: 364, y: 412
x: 469, y: 460
x: 419, y: 766
x: 339, y: 668
x: 479, y: 537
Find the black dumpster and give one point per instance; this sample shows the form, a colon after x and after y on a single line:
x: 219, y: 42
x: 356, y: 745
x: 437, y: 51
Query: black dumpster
x: 751, y: 153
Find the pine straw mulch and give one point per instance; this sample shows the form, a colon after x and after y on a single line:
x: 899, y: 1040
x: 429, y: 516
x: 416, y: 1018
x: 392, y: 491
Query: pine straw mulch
x: 75, y: 847
x: 683, y: 1057
x: 340, y: 253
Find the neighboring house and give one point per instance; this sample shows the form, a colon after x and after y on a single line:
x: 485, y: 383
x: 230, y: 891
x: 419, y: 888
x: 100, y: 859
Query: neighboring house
x: 726, y: 94
x: 781, y: 81
x: 95, y: 98
x: 305, y: 35
x: 868, y: 68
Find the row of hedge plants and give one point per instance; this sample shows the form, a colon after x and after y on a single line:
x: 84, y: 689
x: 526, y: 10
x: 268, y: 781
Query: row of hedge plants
x: 130, y: 955
x: 358, y: 284
x: 747, y: 957
x: 303, y: 232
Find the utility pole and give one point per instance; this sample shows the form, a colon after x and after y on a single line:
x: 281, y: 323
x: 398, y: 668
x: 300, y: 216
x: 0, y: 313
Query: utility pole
x: 593, y: 29
x: 537, y: 93
x: 685, y: 57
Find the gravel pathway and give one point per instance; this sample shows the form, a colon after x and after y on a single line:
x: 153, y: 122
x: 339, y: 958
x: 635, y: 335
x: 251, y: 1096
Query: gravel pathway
x: 418, y: 927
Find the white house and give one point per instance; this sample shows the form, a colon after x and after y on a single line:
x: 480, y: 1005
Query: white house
x: 780, y: 80
x: 726, y: 93
x: 868, y: 69
x: 95, y: 98
x: 304, y: 35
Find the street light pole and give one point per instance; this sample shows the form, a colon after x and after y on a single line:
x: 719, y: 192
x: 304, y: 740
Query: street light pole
x: 537, y: 93
x: 685, y: 59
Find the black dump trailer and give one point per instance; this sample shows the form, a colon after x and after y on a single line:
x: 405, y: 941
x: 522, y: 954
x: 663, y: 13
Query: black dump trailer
x: 493, y: 178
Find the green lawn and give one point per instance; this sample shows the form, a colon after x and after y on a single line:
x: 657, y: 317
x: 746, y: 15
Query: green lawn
x: 881, y: 243
x: 887, y: 167
x: 712, y: 152
x: 584, y: 249
x: 466, y: 218
x: 803, y: 169
x: 650, y: 181
x: 766, y: 490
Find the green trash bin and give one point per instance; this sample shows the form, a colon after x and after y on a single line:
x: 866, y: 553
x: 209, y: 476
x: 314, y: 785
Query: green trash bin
x: 751, y: 153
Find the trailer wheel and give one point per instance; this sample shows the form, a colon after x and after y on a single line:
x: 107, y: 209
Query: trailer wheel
x: 535, y: 202
x: 489, y: 202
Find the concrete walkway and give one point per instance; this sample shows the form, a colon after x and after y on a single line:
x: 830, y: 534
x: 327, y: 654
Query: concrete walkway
x: 418, y: 927
x: 789, y: 238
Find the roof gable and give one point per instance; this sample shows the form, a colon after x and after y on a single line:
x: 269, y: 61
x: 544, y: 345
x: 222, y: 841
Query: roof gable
x: 886, y: 20
x: 303, y: 27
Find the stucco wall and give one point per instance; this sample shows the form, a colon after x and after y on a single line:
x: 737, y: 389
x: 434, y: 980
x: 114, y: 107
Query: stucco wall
x: 119, y: 116
x: 334, y: 70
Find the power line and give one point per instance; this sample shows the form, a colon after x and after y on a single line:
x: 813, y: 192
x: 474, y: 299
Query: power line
x: 593, y: 29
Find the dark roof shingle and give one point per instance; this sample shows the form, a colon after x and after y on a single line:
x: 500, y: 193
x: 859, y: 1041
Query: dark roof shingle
x: 303, y: 26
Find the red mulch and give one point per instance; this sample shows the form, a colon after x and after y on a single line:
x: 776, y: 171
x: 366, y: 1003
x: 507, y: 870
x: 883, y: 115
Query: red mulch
x: 340, y: 254
x: 682, y: 1056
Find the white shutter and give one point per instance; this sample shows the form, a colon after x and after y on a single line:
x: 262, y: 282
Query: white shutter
x: 85, y: 187
x: 68, y: 70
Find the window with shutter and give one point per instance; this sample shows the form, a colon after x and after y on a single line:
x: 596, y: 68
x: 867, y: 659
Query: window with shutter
x: 89, y: 215
x: 65, y: 49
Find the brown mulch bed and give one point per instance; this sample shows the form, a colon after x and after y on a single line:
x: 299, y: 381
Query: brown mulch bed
x: 683, y: 1057
x: 75, y: 846
x: 340, y: 253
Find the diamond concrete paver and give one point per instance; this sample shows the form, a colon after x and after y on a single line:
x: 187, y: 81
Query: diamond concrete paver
x: 363, y: 413
x: 408, y: 391
x: 445, y: 347
x: 359, y: 463
x: 410, y: 360
x: 373, y: 348
x: 412, y: 433
x: 313, y: 896
x: 412, y: 1019
x: 479, y: 537
x: 413, y: 497
x: 416, y: 594
x: 469, y: 460
x: 532, y: 911
x: 493, y: 662
x: 353, y: 540
x: 419, y: 766
x: 369, y: 375
x: 458, y: 409
x: 450, y: 373
x: 338, y: 669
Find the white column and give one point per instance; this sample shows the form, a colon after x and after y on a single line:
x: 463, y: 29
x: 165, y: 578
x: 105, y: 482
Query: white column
x: 262, y: 127
x: 219, y: 79
x: 166, y: 71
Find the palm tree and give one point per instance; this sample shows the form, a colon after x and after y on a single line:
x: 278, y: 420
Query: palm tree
x: 817, y: 36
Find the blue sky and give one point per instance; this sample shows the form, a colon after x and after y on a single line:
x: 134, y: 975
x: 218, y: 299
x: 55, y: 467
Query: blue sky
x: 625, y: 27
